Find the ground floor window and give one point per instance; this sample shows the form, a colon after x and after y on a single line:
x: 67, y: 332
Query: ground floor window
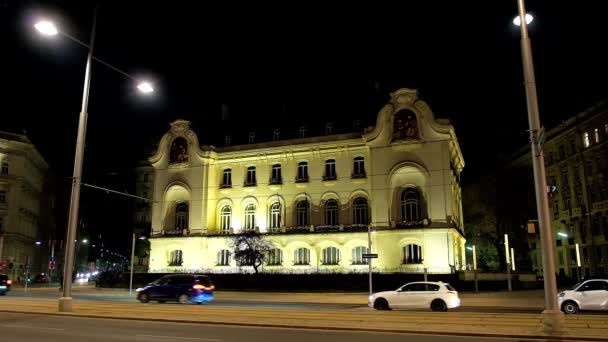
x: 301, y: 256
x: 412, y: 254
x: 176, y: 258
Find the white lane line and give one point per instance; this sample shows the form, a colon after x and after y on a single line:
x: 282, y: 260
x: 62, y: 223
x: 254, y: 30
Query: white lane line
x: 28, y: 327
x: 179, y: 337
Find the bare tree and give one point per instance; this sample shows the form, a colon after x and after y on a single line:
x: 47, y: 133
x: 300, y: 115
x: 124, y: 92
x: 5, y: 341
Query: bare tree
x: 250, y: 248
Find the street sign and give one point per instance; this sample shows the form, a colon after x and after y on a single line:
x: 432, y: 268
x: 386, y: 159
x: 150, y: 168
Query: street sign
x: 370, y: 256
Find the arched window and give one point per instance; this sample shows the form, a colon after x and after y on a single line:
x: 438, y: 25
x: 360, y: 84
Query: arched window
x: 176, y: 258
x: 412, y: 254
x: 358, y: 167
x: 179, y: 151
x: 358, y: 256
x: 302, y: 214
x: 225, y: 218
x: 405, y: 125
x: 223, y: 257
x: 275, y: 215
x: 181, y: 216
x: 360, y: 211
x: 331, y: 213
x: 301, y: 256
x: 274, y: 257
x: 331, y: 256
x: 249, y: 217
x: 410, y: 205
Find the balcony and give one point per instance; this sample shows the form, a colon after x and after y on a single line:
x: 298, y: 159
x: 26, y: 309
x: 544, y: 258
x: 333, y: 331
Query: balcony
x: 329, y: 178
x: 328, y: 228
x: 250, y: 184
x: 172, y: 233
x: 276, y: 181
x: 302, y: 180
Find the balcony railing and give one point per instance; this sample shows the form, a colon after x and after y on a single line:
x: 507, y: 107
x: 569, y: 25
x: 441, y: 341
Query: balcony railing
x: 358, y: 175
x: 330, y: 178
x: 302, y: 180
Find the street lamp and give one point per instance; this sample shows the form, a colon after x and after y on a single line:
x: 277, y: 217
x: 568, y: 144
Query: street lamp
x: 553, y: 318
x: 517, y: 20
x: 48, y: 28
x: 564, y: 235
x: 133, y: 257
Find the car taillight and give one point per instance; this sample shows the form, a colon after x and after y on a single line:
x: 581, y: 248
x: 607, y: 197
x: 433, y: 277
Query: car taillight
x: 202, y: 287
x: 452, y: 293
x: 9, y: 282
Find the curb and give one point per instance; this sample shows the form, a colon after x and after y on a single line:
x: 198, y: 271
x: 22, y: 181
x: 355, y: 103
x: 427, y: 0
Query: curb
x: 327, y: 328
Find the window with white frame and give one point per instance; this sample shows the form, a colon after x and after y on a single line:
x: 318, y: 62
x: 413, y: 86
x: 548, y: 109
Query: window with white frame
x: 181, y: 216
x: 412, y: 254
x: 4, y: 168
x: 302, y: 213
x: 359, y: 167
x: 251, y: 137
x: 227, y: 178
x: 176, y: 258
x: 596, y: 135
x: 330, y: 169
x: 250, y: 181
x: 586, y: 142
x: 358, y: 255
x: 223, y: 257
x: 331, y: 256
x: 225, y: 218
x: 410, y: 205
x: 331, y: 212
x: 274, y: 257
x: 301, y: 256
x: 249, y: 217
x: 275, y: 215
x: 276, y: 177
x: 302, y: 172
x: 360, y: 211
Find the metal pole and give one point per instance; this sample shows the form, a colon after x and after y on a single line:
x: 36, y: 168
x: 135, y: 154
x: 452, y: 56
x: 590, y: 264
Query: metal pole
x: 132, y: 257
x: 578, y: 263
x: 65, y: 302
x: 508, y: 258
x: 512, y: 259
x: 553, y: 318
x: 475, y: 268
x: 1, y: 244
x: 369, y: 261
x: 53, y: 260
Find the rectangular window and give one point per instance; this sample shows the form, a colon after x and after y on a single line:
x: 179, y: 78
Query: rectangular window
x: 251, y: 137
x: 4, y: 169
x: 586, y: 139
x: 303, y: 131
x: 359, y: 168
x: 573, y: 147
x: 227, y: 178
x: 250, y: 181
x: 562, y: 152
x: 330, y: 170
x: 2, y: 196
x: 302, y: 172
x: 555, y: 210
x: 277, y: 135
x: 276, y: 174
x: 329, y: 128
x: 561, y: 257
x: 227, y: 140
x: 596, y: 135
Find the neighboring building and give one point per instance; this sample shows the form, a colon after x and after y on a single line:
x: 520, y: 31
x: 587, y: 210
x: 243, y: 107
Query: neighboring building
x: 314, y: 197
x: 577, y: 169
x: 144, y: 186
x: 23, y: 174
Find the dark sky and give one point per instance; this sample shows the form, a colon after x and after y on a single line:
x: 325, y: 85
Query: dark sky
x: 318, y: 61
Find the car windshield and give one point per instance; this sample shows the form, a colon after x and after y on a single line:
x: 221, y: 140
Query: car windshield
x: 575, y: 286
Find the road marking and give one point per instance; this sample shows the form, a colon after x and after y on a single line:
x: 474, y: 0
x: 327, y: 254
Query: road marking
x: 28, y: 327
x: 179, y: 337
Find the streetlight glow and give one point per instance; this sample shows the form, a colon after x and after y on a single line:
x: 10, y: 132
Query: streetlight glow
x: 46, y: 27
x: 38, y: 243
x: 145, y: 87
x: 517, y: 20
x: 85, y: 241
x: 564, y: 235
x: 470, y: 248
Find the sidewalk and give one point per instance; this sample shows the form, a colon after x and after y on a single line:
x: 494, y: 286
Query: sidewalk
x: 579, y: 327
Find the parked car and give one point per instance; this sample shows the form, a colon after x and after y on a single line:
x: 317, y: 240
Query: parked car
x: 437, y: 296
x: 41, y: 278
x: 5, y: 284
x: 590, y: 294
x: 183, y: 288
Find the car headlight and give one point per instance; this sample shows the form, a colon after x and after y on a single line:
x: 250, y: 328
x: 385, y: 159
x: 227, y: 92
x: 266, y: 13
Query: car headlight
x: 139, y: 289
x: 561, y: 294
x: 370, y: 298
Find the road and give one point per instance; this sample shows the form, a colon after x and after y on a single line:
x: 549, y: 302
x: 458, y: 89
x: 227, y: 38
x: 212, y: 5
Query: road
x: 35, y: 328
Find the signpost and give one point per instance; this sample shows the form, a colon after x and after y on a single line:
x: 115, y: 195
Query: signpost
x: 370, y: 256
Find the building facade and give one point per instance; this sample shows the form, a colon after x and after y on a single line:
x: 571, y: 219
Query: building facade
x: 576, y: 167
x: 314, y: 197
x: 22, y: 178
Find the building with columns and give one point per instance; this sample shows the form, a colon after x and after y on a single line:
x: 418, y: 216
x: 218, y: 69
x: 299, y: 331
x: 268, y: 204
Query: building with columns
x: 314, y: 197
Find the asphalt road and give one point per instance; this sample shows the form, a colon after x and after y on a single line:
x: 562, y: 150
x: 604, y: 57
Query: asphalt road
x: 36, y: 328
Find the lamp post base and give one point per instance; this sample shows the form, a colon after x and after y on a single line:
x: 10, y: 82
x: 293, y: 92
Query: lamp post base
x: 65, y: 304
x: 553, y: 322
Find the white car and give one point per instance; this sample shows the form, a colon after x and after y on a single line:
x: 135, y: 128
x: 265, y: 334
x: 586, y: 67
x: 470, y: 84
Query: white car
x: 590, y: 294
x: 437, y: 296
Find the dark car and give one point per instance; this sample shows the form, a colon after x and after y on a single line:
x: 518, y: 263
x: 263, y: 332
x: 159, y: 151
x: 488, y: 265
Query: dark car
x: 183, y: 288
x: 41, y: 278
x: 5, y: 284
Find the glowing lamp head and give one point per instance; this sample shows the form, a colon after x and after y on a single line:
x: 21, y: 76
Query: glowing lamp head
x: 517, y: 20
x: 46, y: 28
x: 145, y: 87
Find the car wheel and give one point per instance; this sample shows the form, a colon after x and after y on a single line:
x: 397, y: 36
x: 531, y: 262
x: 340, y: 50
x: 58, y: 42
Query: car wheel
x: 381, y: 304
x: 199, y: 303
x: 183, y: 298
x: 570, y: 308
x: 3, y: 294
x: 439, y: 305
x: 144, y: 298
x: 161, y: 301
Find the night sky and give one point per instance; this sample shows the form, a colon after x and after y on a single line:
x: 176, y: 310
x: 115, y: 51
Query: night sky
x: 291, y: 63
